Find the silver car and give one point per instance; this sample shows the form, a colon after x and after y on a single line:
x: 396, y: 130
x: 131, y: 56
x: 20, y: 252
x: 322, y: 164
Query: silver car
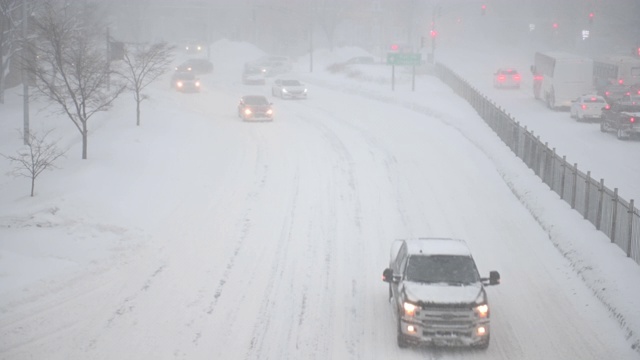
x: 289, y: 89
x: 588, y: 107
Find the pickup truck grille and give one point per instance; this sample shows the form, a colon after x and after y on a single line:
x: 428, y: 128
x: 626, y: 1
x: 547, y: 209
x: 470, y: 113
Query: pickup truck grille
x: 458, y: 320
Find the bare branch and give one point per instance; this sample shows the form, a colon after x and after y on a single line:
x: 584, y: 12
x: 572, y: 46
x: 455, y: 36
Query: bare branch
x: 37, y: 156
x: 69, y: 67
x: 143, y: 67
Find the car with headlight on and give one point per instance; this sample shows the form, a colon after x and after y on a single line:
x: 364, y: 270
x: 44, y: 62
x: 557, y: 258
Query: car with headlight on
x: 253, y: 76
x: 289, y: 89
x: 506, y: 78
x: 193, y: 46
x: 588, y: 107
x: 255, y: 108
x: 437, y: 295
x: 185, y: 81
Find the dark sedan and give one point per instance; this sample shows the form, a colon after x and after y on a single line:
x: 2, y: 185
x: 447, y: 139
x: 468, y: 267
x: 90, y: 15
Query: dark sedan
x: 255, y: 107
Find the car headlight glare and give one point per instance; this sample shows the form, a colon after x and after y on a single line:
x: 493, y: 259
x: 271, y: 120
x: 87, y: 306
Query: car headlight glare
x: 179, y: 84
x: 482, y: 310
x: 270, y: 112
x: 197, y: 83
x: 247, y: 111
x: 410, y: 309
x: 284, y: 91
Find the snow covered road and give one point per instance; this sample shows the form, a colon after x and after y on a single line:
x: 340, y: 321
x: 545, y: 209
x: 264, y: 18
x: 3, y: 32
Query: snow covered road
x: 268, y: 240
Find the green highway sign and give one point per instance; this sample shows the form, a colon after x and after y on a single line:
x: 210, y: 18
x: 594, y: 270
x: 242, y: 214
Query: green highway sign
x: 408, y: 59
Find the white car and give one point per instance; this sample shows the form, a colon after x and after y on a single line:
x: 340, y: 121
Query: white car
x: 588, y: 107
x: 253, y: 76
x: 292, y: 89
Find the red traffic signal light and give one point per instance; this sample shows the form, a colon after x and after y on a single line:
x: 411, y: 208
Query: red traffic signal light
x: 555, y: 26
x: 484, y: 9
x: 591, y: 16
x: 433, y: 33
x: 395, y: 47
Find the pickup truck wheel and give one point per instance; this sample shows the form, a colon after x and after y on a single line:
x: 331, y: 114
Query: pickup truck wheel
x: 620, y: 134
x: 402, y: 342
x: 483, y: 345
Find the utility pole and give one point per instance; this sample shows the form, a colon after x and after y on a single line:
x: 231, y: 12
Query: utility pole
x: 25, y: 75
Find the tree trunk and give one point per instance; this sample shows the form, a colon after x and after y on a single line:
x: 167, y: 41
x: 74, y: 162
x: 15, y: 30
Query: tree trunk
x: 33, y: 184
x: 138, y: 112
x: 84, y: 140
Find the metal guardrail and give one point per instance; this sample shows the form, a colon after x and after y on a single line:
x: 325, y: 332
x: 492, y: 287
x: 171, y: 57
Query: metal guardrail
x: 616, y: 217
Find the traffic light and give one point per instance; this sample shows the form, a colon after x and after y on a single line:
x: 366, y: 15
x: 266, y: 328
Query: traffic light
x: 433, y: 34
x: 638, y: 52
x: 555, y: 26
x: 591, y: 16
x: 395, y: 47
x: 484, y: 9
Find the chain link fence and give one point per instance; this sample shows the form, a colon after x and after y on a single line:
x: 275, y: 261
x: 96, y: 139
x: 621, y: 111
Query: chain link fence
x: 618, y: 218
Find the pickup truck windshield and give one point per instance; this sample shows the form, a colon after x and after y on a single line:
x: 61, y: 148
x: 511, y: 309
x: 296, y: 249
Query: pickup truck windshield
x: 451, y: 269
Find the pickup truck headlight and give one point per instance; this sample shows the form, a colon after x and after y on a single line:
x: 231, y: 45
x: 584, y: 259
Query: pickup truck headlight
x: 410, y: 309
x: 482, y: 310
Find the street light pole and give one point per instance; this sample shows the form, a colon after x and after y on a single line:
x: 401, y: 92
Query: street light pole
x: 25, y: 76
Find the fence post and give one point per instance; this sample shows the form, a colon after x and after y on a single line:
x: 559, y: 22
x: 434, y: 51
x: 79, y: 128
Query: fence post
x: 600, y: 205
x: 516, y: 138
x: 537, y: 157
x: 630, y: 227
x: 564, y: 171
x: 587, y: 194
x: 614, y: 219
x: 553, y: 169
x: 574, y: 186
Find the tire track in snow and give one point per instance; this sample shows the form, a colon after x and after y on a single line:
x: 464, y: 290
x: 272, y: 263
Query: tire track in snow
x: 347, y: 196
x: 244, y: 226
x: 256, y: 347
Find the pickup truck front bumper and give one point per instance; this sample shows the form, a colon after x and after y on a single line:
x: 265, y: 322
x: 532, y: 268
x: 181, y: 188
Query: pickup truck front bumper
x: 445, y: 327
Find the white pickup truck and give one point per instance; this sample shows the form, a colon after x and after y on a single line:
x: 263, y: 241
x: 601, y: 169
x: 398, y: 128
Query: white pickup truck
x: 437, y: 295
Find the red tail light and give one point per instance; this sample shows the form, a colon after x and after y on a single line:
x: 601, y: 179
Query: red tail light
x: 501, y: 77
x: 584, y: 107
x: 620, y: 81
x: 632, y: 120
x: 607, y: 107
x: 516, y: 77
x: 606, y: 93
x: 538, y: 78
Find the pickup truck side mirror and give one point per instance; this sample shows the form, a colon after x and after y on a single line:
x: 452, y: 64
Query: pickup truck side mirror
x: 494, y: 278
x: 387, y: 275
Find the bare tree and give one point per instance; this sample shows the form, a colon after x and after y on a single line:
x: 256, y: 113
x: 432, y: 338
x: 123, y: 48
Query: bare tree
x: 69, y: 67
x: 37, y: 156
x: 143, y: 67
